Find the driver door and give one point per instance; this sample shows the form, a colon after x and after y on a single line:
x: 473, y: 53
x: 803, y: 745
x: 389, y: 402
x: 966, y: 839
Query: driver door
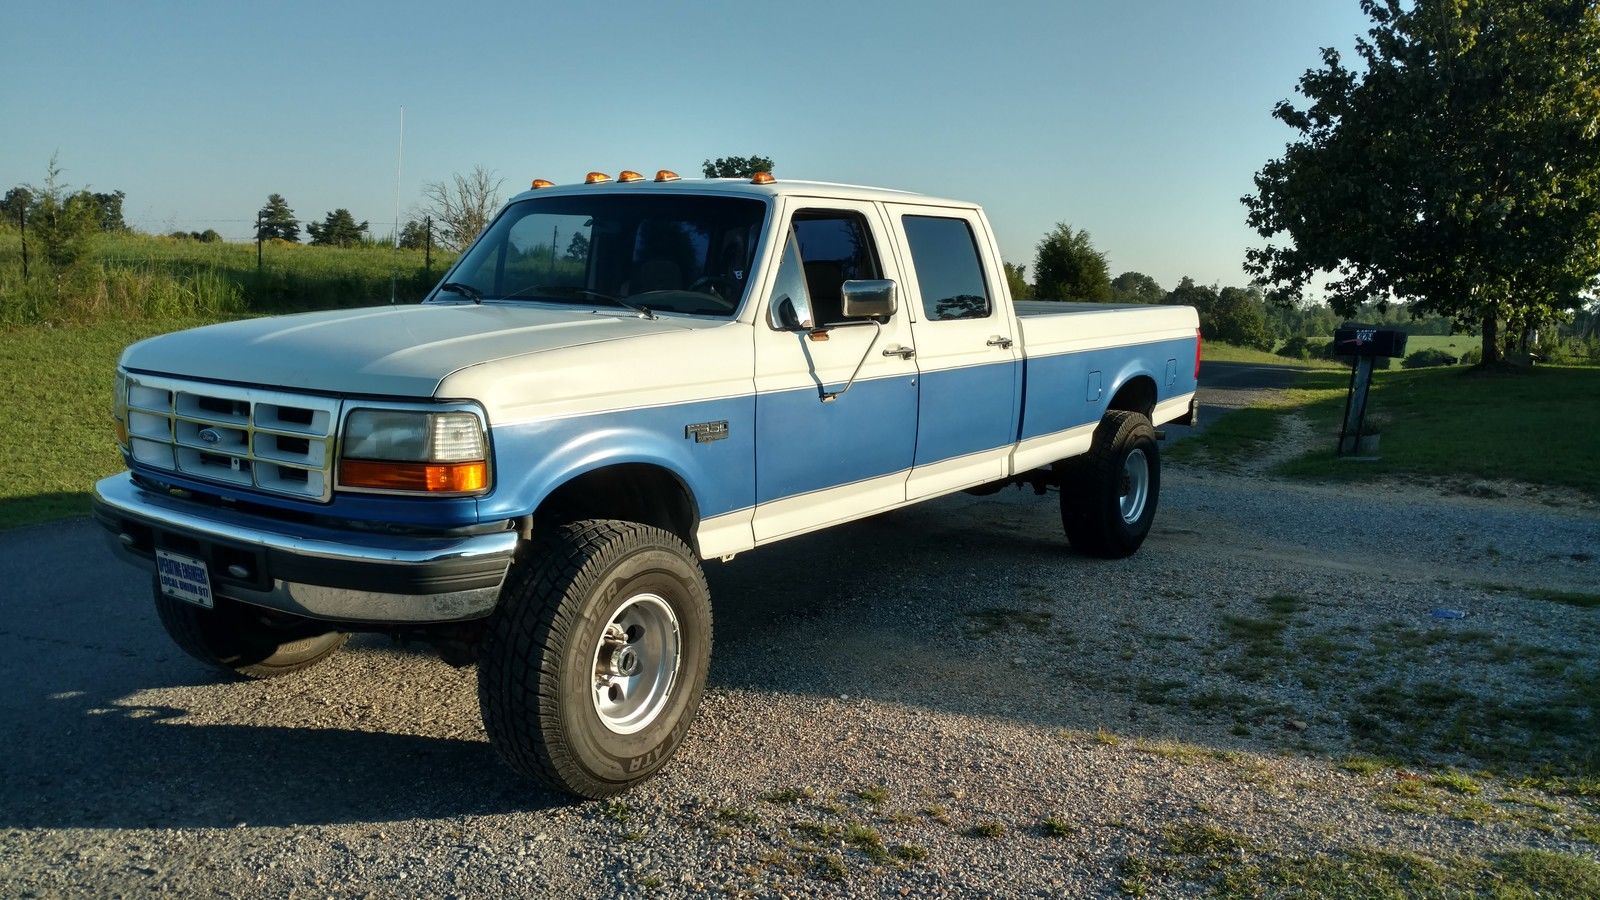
x: 820, y: 460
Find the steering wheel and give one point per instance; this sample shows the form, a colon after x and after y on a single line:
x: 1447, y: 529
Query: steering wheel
x: 723, y: 288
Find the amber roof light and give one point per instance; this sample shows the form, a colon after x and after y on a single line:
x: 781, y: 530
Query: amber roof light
x: 762, y: 178
x: 628, y: 176
x: 666, y: 175
x: 542, y: 183
x: 596, y: 178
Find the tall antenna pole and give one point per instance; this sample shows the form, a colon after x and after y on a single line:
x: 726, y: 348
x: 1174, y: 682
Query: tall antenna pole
x: 399, y: 162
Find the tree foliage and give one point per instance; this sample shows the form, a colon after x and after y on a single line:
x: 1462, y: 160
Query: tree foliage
x: 338, y: 229
x: 61, y: 220
x: 736, y: 166
x: 1068, y: 267
x: 414, y: 235
x: 1017, y: 280
x: 278, y: 221
x: 1458, y: 170
x: 461, y: 206
x: 1231, y: 315
x: 1136, y: 287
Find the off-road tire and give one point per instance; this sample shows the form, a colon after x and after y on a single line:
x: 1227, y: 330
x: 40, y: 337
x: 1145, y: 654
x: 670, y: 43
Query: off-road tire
x: 536, y: 662
x: 244, y: 640
x: 1092, y: 488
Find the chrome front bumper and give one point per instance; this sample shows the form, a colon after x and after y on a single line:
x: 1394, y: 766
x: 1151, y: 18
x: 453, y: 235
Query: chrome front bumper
x: 308, y: 570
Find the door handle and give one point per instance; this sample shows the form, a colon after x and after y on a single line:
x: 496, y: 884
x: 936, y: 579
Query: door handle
x: 897, y: 350
x: 1001, y: 341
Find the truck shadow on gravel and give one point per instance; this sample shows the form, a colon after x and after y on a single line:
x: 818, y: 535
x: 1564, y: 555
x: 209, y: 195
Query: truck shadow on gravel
x: 142, y: 767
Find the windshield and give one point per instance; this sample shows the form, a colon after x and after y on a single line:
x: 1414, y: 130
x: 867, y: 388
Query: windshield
x: 665, y: 253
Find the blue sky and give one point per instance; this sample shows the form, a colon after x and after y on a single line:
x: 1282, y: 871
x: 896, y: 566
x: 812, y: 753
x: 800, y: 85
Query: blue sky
x: 1140, y: 121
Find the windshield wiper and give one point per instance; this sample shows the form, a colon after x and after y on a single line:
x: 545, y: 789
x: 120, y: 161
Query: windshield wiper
x: 641, y: 309
x: 465, y: 290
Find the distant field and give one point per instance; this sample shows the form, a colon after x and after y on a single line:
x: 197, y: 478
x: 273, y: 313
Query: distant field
x: 134, y: 275
x: 1216, y: 351
x: 1453, y: 344
x: 1536, y: 427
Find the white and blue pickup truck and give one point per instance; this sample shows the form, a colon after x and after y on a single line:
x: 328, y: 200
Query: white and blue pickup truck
x: 617, y: 381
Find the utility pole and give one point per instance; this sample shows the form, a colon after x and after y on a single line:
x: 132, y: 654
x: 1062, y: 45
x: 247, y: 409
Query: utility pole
x: 258, y: 241
x: 22, y: 223
x: 427, y: 249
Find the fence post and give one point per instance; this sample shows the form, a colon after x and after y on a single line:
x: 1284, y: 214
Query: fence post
x: 22, y: 223
x: 258, y: 242
x: 427, y: 252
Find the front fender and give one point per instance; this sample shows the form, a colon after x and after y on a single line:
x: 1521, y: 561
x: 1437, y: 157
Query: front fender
x: 533, y: 459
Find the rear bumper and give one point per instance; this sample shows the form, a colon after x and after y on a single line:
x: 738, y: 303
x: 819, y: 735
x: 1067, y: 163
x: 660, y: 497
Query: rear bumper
x: 308, y: 570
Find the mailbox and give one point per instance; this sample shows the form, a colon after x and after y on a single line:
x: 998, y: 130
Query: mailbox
x: 1368, y: 340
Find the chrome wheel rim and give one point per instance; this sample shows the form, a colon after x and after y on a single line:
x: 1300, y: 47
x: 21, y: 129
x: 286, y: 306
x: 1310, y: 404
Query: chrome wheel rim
x: 636, y: 663
x: 1135, y: 485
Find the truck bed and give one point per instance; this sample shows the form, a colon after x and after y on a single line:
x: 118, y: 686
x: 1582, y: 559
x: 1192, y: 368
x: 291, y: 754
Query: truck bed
x: 1057, y: 307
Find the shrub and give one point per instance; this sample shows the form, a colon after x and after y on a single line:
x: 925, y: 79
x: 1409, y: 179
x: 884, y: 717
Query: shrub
x: 1427, y: 359
x: 1472, y: 357
x: 1297, y: 347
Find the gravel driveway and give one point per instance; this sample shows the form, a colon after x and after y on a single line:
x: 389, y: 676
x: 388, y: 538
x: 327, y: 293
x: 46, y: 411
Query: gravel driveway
x: 940, y: 700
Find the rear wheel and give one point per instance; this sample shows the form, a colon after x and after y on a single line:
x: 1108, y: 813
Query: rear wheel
x: 246, y: 640
x: 1109, y: 495
x: 593, y: 665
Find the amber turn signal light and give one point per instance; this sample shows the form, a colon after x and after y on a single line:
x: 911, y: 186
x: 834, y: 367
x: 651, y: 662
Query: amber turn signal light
x: 542, y: 183
x: 666, y: 175
x: 434, y: 478
x: 596, y: 178
x: 628, y: 176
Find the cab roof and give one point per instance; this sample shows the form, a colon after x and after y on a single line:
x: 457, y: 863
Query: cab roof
x: 744, y: 187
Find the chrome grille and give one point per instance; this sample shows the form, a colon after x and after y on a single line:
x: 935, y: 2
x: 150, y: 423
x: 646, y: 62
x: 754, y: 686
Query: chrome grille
x: 265, y: 440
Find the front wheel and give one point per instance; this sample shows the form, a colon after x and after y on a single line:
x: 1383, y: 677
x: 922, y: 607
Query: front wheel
x: 1109, y: 495
x: 246, y: 640
x: 593, y: 665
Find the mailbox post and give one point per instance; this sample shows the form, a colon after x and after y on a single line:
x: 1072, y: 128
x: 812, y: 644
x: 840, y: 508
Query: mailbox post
x: 1366, y: 343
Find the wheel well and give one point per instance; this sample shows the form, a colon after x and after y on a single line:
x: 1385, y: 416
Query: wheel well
x: 632, y: 492
x: 1138, y: 395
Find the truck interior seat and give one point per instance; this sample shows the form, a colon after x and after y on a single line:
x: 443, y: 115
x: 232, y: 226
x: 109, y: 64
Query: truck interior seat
x: 825, y: 282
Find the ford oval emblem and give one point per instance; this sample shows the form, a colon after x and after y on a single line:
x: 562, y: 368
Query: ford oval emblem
x: 211, y: 435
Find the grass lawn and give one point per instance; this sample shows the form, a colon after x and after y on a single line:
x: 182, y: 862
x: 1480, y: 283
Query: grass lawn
x: 1216, y: 351
x: 1536, y: 427
x: 57, y: 425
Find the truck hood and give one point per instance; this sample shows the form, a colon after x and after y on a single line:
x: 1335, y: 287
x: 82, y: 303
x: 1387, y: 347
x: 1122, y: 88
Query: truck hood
x: 400, y: 351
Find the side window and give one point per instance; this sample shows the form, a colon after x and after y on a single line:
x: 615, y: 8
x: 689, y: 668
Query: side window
x: 791, y: 285
x: 835, y: 246
x: 949, y: 273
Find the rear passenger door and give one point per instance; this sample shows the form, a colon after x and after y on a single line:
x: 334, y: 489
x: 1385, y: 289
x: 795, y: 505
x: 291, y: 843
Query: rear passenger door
x: 967, y: 354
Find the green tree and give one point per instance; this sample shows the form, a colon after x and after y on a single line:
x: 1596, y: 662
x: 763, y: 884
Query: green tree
x: 15, y: 204
x: 1136, y: 287
x: 736, y: 166
x: 414, y: 235
x: 61, y: 220
x: 1017, y: 279
x: 1458, y: 170
x: 1237, y: 317
x: 1068, y: 267
x: 278, y: 221
x: 337, y: 229
x: 1187, y: 293
x: 108, y: 209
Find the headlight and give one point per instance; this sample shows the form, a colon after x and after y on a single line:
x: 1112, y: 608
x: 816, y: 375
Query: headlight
x: 414, y: 450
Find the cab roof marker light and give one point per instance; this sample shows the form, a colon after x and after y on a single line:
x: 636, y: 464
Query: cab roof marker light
x: 762, y: 178
x: 542, y: 183
x: 596, y: 178
x: 628, y: 176
x: 666, y: 175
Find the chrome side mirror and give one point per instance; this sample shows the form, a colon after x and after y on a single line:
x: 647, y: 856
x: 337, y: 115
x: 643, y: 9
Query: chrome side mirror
x: 868, y: 298
x: 791, y: 314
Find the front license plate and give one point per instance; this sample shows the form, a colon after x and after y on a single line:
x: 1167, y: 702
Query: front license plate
x: 183, y: 578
